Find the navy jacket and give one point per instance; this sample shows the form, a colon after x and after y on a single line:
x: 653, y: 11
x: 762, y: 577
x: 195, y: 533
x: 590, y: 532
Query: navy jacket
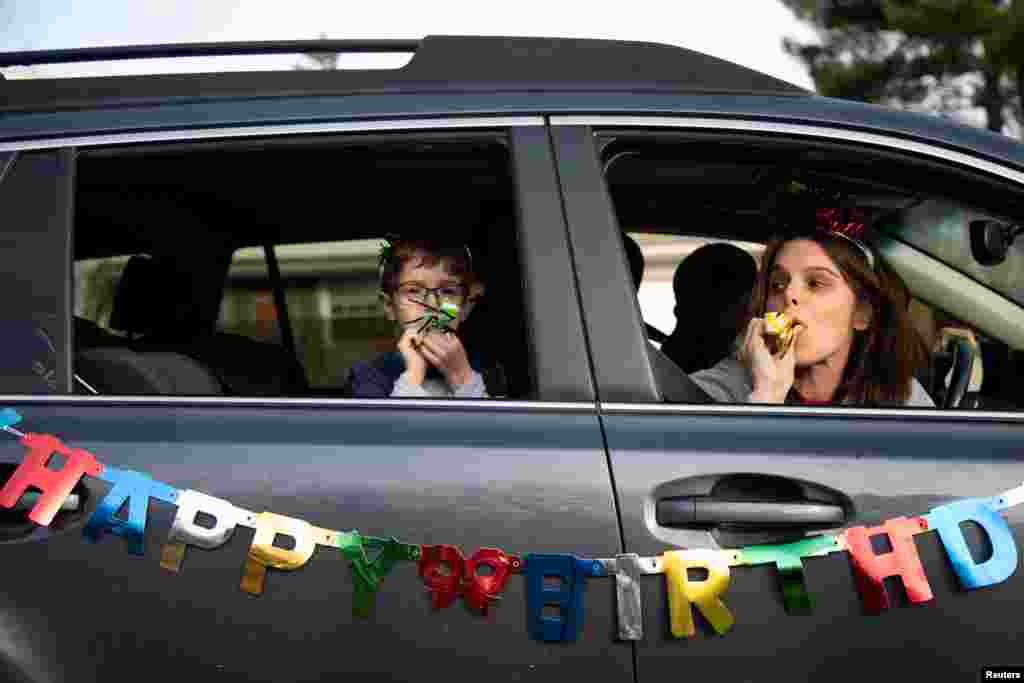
x: 376, y: 378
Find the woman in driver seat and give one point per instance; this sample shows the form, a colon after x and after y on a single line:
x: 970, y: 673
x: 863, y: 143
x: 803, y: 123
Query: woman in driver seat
x: 851, y: 343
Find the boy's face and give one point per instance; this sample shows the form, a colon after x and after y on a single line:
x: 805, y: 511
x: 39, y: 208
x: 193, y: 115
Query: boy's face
x: 422, y: 288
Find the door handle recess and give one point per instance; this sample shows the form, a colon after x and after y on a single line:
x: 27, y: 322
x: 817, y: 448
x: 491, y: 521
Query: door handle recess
x: 703, y: 511
x: 745, y: 508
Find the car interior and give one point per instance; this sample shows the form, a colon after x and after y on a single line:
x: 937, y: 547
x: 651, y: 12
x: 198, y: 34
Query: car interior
x: 169, y: 222
x: 749, y: 189
x: 163, y: 223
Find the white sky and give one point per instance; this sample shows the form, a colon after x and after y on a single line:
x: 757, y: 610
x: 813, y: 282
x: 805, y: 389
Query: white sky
x: 748, y: 32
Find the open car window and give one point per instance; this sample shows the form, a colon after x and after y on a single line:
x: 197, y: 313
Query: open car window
x: 701, y: 188
x: 251, y: 268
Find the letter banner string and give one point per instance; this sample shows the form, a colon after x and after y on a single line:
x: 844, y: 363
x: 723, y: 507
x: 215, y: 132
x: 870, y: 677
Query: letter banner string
x: 50, y: 472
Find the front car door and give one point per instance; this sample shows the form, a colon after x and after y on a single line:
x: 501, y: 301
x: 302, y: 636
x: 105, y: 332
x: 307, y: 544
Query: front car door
x: 521, y: 476
x: 680, y: 467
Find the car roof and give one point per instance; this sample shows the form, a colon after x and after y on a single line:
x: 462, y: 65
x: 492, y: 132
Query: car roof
x: 442, y: 63
x: 447, y: 76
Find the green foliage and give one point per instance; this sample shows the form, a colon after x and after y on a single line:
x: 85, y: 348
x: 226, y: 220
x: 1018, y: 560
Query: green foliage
x: 914, y: 53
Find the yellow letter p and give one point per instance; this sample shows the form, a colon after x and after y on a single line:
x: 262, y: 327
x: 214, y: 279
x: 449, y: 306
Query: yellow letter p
x: 263, y: 553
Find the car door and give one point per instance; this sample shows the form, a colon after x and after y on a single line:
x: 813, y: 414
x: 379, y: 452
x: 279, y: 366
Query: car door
x: 697, y: 476
x: 520, y: 476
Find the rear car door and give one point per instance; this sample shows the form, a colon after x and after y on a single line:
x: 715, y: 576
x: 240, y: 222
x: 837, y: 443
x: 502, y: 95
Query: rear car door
x: 675, y: 463
x: 522, y: 476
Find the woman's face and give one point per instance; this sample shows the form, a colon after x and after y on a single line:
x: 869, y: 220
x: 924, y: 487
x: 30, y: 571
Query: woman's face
x: 808, y: 287
x: 424, y: 288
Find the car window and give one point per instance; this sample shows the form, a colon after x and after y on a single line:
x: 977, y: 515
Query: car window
x: 673, y: 195
x: 261, y: 276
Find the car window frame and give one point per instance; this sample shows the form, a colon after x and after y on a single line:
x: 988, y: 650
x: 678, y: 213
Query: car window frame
x: 558, y: 352
x: 617, y: 318
x: 37, y: 196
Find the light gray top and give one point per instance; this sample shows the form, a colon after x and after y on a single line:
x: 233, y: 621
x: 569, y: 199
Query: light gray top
x: 730, y: 382
x: 436, y: 388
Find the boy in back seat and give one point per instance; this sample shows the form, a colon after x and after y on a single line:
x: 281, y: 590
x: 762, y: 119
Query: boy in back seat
x: 427, y: 287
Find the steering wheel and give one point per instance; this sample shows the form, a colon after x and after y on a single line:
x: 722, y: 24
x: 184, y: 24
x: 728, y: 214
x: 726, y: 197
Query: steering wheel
x: 963, y: 364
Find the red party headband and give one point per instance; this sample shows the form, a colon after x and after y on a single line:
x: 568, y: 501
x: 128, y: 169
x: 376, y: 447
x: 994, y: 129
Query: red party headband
x: 830, y: 220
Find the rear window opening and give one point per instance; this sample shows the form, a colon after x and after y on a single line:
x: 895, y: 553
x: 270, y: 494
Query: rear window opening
x: 273, y: 247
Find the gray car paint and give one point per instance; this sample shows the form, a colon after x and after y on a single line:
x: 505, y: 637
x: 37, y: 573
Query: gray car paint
x: 38, y: 126
x: 889, y: 468
x: 175, y: 439
x: 890, y: 463
x: 523, y: 477
x: 527, y: 480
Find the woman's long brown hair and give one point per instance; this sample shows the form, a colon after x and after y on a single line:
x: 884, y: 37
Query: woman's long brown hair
x: 883, y: 357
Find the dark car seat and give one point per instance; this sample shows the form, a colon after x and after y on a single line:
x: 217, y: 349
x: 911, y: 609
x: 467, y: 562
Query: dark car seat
x: 104, y: 364
x: 153, y: 305
x: 122, y: 371
x: 245, y: 366
x: 89, y: 335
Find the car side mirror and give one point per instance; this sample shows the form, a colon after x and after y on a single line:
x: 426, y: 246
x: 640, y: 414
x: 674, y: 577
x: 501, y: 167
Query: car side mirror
x: 991, y: 240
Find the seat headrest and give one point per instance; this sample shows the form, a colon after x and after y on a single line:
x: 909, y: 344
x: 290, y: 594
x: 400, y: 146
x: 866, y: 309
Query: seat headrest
x: 722, y: 270
x: 152, y: 296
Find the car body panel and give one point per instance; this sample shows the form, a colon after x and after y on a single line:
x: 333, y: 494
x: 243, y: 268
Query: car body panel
x: 519, y: 476
x: 533, y: 479
x: 889, y: 468
x: 197, y: 113
x: 890, y: 463
x: 573, y: 477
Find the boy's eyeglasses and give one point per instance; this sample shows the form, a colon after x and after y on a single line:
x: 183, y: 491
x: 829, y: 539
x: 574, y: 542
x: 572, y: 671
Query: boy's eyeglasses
x: 420, y: 292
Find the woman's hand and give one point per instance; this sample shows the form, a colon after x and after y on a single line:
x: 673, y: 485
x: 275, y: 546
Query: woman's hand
x: 772, y: 375
x: 415, y: 364
x: 445, y: 352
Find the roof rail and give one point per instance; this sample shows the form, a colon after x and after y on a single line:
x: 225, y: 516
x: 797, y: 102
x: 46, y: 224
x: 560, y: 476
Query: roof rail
x: 439, y: 65
x: 98, y: 54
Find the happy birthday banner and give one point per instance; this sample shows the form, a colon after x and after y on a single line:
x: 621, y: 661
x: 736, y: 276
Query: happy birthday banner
x: 448, y: 575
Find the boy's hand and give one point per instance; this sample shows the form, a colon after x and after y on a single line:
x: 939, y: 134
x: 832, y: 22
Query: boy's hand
x: 415, y: 363
x: 445, y: 352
